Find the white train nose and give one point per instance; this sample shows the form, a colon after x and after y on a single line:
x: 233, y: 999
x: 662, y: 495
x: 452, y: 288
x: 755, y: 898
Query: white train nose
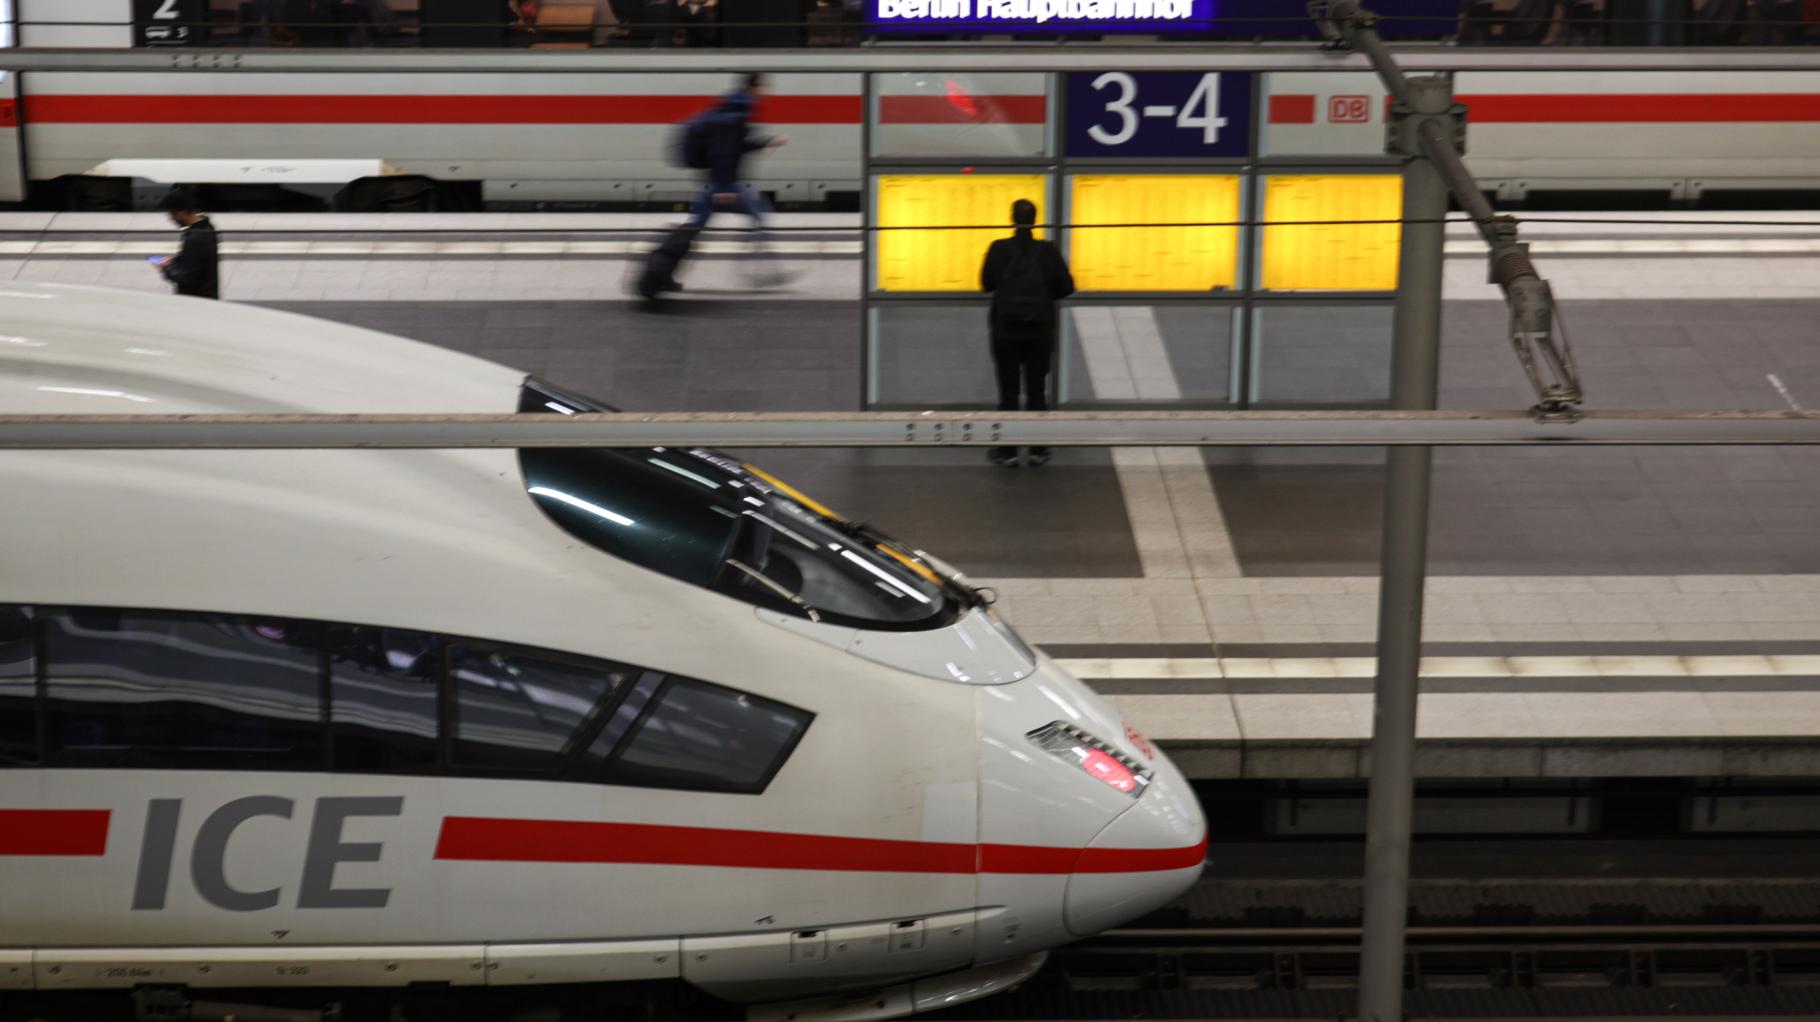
x: 1145, y: 858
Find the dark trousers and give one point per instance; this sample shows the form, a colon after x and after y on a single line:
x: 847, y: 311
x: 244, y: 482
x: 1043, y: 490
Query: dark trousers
x: 1022, y: 362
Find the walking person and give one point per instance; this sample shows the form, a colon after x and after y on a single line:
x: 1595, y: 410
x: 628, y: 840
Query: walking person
x: 1026, y: 278
x: 716, y: 141
x: 195, y: 270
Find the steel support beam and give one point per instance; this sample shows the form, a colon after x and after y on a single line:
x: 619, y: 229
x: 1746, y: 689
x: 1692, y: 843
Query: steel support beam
x: 908, y: 429
x: 1415, y: 375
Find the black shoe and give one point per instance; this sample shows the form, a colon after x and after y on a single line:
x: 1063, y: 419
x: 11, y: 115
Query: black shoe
x: 1038, y: 456
x: 1003, y: 457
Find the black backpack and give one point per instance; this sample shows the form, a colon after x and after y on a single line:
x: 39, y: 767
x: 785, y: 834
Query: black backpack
x: 1022, y: 297
x: 690, y: 146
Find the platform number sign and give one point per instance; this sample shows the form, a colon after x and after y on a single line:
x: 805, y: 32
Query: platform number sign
x: 169, y: 22
x: 1159, y: 113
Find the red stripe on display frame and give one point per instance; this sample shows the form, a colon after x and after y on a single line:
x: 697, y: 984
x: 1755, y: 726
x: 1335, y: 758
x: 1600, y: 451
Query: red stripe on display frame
x: 1291, y: 110
x: 1615, y: 108
x: 962, y: 109
x: 492, y: 839
x: 54, y: 831
x: 99, y: 109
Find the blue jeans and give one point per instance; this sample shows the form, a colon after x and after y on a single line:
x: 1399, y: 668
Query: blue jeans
x: 747, y: 200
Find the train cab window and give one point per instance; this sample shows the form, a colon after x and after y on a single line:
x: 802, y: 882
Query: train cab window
x: 518, y: 712
x: 18, y: 687
x: 643, y: 513
x: 188, y: 691
x: 383, y: 698
x: 703, y: 737
x: 713, y: 521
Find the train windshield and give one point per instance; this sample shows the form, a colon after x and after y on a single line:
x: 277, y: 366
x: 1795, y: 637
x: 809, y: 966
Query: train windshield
x: 711, y: 520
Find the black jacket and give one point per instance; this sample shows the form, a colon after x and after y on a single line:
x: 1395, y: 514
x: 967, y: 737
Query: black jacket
x: 1049, y: 260
x: 196, y: 270
x: 730, y: 138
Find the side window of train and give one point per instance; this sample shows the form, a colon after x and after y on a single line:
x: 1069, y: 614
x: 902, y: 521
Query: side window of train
x: 132, y: 688
x: 383, y: 701
x: 18, y: 687
x: 703, y: 737
x: 516, y: 711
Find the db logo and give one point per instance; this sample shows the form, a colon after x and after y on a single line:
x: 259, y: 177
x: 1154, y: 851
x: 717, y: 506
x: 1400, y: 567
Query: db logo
x: 1348, y: 109
x: 1140, y: 741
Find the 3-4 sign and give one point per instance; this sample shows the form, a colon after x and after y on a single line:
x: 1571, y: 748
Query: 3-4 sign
x: 169, y: 22
x: 1159, y: 114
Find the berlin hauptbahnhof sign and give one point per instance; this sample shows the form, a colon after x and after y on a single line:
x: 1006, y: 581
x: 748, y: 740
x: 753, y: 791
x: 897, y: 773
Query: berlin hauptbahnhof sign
x: 1207, y: 18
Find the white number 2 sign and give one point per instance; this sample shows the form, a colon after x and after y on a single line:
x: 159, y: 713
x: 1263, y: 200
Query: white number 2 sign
x: 166, y: 11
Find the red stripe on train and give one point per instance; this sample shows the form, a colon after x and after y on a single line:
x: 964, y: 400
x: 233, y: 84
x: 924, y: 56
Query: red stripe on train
x: 59, y: 109
x: 1611, y: 108
x: 492, y: 839
x: 9, y: 113
x: 962, y: 109
x: 1291, y: 110
x: 104, y: 109
x: 54, y: 831
x: 1604, y: 108
x: 1587, y: 108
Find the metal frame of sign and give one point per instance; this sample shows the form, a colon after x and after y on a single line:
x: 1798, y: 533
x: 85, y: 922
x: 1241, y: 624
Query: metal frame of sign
x: 1235, y: 303
x: 872, y: 167
x: 1243, y: 303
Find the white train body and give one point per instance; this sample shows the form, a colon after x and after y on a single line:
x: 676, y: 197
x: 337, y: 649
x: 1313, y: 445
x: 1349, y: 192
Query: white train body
x: 911, y: 826
x: 539, y: 138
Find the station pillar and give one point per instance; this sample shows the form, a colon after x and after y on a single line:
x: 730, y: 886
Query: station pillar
x: 1415, y: 363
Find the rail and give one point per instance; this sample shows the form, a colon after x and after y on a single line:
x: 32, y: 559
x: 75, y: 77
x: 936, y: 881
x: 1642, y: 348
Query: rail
x: 1734, y: 957
x: 907, y: 429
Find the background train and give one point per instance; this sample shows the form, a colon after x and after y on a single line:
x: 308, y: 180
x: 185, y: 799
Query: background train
x: 488, y: 719
x: 553, y: 141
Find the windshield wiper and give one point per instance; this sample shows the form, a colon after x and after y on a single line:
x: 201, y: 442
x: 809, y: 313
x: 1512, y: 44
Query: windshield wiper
x: 769, y: 583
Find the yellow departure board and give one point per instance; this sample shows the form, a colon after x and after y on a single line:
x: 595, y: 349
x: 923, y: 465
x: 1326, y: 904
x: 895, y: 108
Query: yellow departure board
x: 946, y: 260
x: 1154, y: 258
x: 1332, y: 257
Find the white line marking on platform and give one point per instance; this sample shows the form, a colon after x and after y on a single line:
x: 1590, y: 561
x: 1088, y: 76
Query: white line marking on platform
x: 1176, y: 520
x: 1450, y: 667
x: 1776, y: 382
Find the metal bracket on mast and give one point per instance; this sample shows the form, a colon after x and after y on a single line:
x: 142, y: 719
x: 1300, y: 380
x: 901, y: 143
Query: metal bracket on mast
x: 1426, y: 123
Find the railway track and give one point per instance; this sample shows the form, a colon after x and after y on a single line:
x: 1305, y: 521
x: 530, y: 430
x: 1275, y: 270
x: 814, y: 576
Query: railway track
x: 1464, y: 971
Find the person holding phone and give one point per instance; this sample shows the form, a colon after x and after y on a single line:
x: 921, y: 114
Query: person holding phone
x: 195, y: 269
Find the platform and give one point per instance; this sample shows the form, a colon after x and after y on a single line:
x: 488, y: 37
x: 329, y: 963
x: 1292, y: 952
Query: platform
x: 1590, y: 612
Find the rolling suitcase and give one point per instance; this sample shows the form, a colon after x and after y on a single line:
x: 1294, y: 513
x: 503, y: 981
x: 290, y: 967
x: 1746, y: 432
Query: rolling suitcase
x: 659, y: 274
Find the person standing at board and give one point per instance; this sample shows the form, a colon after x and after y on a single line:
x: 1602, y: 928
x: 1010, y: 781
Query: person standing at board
x: 1026, y: 278
x: 195, y: 269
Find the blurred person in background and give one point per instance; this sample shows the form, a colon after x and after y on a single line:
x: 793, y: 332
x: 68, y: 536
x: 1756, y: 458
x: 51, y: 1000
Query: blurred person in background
x: 717, y: 142
x: 195, y: 270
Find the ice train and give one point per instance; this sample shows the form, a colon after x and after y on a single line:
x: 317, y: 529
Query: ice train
x: 489, y: 718
x: 531, y: 140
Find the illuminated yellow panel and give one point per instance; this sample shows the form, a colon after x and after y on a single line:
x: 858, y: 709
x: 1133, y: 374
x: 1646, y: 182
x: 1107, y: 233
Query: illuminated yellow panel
x: 946, y: 260
x: 1154, y: 258
x: 1332, y: 257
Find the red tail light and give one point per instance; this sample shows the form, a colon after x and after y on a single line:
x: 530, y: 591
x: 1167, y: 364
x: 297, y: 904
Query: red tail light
x: 1099, y: 759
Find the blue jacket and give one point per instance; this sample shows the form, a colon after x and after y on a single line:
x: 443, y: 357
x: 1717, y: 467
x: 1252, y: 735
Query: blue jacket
x: 730, y: 139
